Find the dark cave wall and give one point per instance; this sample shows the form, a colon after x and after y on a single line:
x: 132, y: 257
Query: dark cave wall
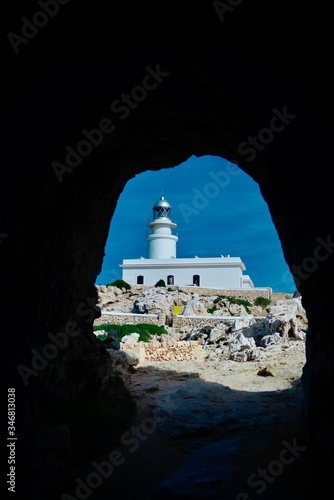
x: 219, y: 86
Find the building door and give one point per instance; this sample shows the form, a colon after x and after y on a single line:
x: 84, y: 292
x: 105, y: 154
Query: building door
x: 170, y: 279
x: 140, y: 280
x: 196, y: 280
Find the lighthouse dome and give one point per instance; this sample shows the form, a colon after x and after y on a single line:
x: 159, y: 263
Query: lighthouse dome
x: 162, y: 209
x: 162, y: 203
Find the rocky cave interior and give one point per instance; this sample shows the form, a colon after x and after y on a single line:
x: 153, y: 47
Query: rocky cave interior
x: 223, y: 76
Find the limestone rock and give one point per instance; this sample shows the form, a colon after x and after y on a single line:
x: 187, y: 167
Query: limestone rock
x: 237, y: 310
x: 289, y: 311
x: 218, y: 333
x: 112, y: 298
x: 240, y: 324
x: 241, y: 348
x: 300, y: 335
x: 286, y: 325
x: 268, y: 340
x: 131, y: 339
x: 182, y: 298
x: 257, y: 310
x: 194, y: 307
x: 99, y: 332
x: 201, y: 333
x: 120, y: 363
x: 132, y: 358
x: 154, y: 300
x: 222, y: 307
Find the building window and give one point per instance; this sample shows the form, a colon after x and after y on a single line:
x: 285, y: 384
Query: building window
x: 170, y: 279
x: 140, y: 280
x: 196, y: 280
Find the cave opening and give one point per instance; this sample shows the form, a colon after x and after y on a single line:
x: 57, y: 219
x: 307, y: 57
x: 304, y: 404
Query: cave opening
x: 53, y: 233
x: 196, y: 433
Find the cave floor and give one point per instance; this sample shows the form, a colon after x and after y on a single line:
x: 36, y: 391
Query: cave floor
x: 214, y: 429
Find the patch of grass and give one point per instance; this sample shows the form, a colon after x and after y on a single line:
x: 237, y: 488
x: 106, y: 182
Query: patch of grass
x: 160, y: 283
x: 206, y: 329
x: 262, y: 302
x: 102, y: 336
x: 145, y: 330
x: 234, y: 300
x: 211, y: 309
x: 120, y: 284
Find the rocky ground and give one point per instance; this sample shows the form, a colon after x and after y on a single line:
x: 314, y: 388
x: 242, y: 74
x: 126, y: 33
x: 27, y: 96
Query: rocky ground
x: 160, y: 299
x: 218, y: 428
x: 215, y: 430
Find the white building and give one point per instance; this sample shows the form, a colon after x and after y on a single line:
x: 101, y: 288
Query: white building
x: 161, y: 262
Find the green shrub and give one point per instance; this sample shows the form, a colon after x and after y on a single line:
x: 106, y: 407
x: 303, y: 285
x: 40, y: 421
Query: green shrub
x: 206, y: 329
x: 211, y: 309
x: 154, y: 329
x: 262, y: 301
x: 102, y: 336
x: 120, y: 284
x: 145, y: 331
x: 242, y: 302
x: 234, y: 300
x: 160, y: 283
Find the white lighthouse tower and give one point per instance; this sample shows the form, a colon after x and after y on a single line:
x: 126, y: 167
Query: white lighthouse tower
x: 223, y: 273
x: 161, y: 243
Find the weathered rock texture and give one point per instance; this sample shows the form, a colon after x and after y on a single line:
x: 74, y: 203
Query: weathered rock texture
x: 224, y: 338
x: 168, y: 351
x: 223, y: 80
x: 155, y: 305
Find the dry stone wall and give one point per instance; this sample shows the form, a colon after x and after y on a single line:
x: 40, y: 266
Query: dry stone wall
x: 180, y: 322
x: 130, y: 319
x: 167, y: 351
x: 164, y: 315
x: 245, y: 294
x: 238, y: 293
x: 176, y: 321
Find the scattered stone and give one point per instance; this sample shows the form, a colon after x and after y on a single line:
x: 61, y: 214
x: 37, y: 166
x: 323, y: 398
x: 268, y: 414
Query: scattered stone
x: 154, y: 300
x: 242, y: 339
x: 195, y: 307
x: 131, y: 339
x: 99, y: 332
x: 132, y: 358
x: 265, y: 372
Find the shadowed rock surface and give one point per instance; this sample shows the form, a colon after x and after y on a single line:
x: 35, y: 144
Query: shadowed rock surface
x: 208, y: 429
x: 221, y: 79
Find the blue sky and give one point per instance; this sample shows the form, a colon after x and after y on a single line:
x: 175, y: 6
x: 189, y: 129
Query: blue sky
x: 218, y: 209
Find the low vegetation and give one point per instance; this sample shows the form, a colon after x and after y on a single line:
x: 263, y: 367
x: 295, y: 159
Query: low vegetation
x: 259, y: 301
x: 262, y: 301
x: 160, y: 283
x: 231, y: 300
x: 145, y: 331
x: 120, y: 284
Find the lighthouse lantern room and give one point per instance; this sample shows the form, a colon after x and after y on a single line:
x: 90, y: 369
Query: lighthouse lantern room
x: 161, y: 243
